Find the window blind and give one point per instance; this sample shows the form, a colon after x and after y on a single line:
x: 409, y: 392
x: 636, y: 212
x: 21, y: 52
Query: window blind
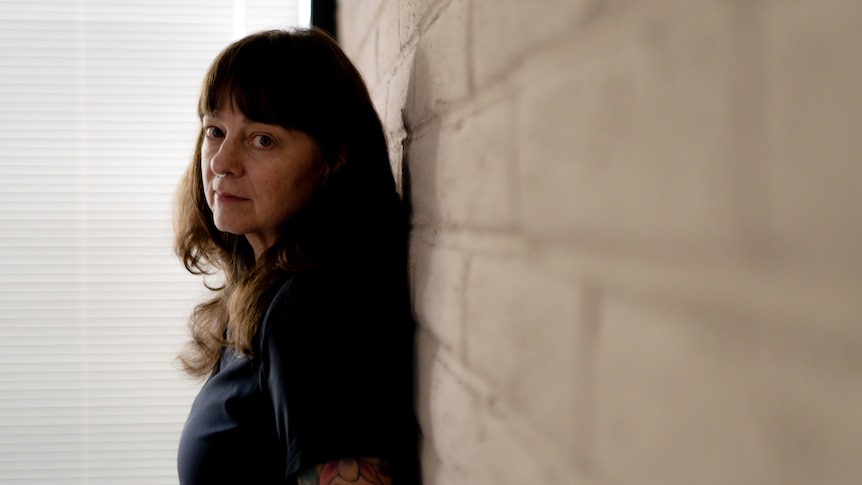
x: 97, y: 122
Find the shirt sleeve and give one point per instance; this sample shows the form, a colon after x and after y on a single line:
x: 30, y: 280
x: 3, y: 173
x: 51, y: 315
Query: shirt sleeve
x: 336, y: 364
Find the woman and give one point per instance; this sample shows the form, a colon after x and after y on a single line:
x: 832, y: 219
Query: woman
x: 308, y: 342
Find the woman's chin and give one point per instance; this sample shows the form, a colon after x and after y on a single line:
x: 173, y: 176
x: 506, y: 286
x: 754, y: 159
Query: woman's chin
x: 230, y: 229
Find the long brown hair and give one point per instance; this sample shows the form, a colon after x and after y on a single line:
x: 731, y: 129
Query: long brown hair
x: 298, y: 79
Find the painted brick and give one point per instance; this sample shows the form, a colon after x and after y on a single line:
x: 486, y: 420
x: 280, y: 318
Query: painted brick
x: 673, y: 407
x: 501, y: 244
x: 379, y: 98
x: 688, y: 129
x: 413, y: 14
x: 437, y: 279
x: 522, y: 328
x: 440, y: 74
x: 462, y: 173
x: 396, y: 157
x: 504, y: 31
x: 449, y: 413
x: 356, y: 21
x: 441, y: 475
x: 715, y: 399
x: 426, y: 352
x: 510, y: 459
x: 627, y: 149
x: 815, y: 120
x: 365, y: 59
x: 423, y: 165
x: 433, y: 472
x: 472, y: 441
x: 351, y: 32
x: 388, y: 39
x: 400, y: 93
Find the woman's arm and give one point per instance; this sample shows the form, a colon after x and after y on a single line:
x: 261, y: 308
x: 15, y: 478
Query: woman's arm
x: 361, y: 471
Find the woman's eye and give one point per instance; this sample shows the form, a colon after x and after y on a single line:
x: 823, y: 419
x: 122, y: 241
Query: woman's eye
x: 262, y: 141
x: 213, y: 132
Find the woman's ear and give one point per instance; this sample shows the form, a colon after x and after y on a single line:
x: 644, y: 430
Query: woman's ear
x: 340, y: 159
x: 336, y: 163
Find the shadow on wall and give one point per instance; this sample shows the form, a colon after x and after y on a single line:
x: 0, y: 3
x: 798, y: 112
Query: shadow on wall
x: 449, y: 412
x: 419, y: 144
x: 420, y: 147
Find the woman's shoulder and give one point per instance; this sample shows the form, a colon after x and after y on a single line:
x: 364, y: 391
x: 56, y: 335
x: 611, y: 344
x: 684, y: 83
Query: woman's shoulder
x: 335, y: 299
x: 301, y: 295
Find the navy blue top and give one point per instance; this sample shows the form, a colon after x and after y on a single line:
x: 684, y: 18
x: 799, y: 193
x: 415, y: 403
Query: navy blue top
x: 331, y: 377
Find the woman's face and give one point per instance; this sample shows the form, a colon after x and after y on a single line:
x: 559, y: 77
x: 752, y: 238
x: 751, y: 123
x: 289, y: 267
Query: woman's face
x: 256, y: 176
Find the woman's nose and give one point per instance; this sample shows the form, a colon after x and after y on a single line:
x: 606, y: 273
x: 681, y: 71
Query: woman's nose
x: 227, y: 159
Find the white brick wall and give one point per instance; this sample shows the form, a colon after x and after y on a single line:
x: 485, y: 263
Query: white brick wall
x: 637, y: 244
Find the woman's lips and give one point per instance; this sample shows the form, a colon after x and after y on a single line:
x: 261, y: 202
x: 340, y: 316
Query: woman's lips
x: 228, y: 197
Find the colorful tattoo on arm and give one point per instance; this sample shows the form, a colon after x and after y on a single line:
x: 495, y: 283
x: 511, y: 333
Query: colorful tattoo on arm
x: 361, y: 471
